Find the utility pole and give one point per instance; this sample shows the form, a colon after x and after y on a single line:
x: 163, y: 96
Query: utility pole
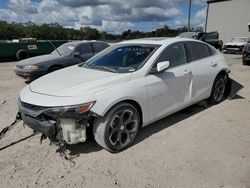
x: 189, y: 14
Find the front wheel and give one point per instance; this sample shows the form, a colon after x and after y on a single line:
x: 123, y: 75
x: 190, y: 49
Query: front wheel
x: 218, y: 90
x: 118, y: 128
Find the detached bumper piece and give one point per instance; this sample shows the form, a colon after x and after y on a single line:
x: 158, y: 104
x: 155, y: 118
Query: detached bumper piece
x: 45, y: 127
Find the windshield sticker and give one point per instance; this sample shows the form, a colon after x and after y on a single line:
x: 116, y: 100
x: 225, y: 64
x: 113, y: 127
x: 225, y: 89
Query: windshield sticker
x: 71, y: 47
x: 137, y: 49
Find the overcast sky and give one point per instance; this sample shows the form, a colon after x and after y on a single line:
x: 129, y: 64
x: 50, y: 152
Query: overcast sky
x: 106, y: 15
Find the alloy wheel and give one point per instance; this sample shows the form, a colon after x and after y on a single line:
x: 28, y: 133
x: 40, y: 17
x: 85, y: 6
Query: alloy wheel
x: 123, y: 128
x: 219, y: 89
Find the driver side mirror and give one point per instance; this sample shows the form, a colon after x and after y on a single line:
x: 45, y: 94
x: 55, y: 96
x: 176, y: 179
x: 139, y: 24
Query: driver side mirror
x: 161, y: 66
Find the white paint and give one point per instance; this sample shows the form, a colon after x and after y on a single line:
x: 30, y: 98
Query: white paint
x: 158, y: 94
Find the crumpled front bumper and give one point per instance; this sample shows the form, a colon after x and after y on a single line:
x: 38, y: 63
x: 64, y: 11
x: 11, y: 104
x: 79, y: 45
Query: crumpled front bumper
x: 45, y: 127
x: 70, y: 128
x: 33, y: 119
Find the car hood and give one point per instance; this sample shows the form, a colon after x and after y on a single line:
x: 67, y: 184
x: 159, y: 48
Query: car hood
x: 77, y: 81
x: 38, y: 59
x: 235, y: 43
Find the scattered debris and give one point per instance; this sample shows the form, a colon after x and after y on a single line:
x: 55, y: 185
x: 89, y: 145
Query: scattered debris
x: 3, y: 102
x: 62, y: 148
x: 8, y: 128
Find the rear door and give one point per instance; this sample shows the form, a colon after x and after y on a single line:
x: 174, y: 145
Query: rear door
x: 203, y: 64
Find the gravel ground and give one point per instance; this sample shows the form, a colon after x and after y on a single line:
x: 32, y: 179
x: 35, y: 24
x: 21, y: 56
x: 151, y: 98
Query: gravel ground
x: 197, y: 147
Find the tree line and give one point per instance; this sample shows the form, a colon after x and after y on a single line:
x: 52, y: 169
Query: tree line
x: 55, y: 31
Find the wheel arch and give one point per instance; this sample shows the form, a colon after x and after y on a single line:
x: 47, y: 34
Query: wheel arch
x: 137, y: 106
x: 133, y: 102
x: 54, y: 65
x: 222, y: 72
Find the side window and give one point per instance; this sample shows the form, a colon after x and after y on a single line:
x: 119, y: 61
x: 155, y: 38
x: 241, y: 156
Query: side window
x: 84, y: 48
x: 99, y: 46
x: 211, y: 51
x: 197, y: 50
x: 175, y: 54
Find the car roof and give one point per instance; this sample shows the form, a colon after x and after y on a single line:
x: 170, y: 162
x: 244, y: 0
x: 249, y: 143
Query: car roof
x: 83, y: 41
x: 157, y: 40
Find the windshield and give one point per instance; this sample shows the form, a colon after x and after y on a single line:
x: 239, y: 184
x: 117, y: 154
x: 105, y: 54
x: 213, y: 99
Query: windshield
x: 65, y: 49
x: 238, y: 40
x: 122, y: 58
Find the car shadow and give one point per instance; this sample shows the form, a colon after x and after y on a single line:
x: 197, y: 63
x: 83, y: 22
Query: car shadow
x: 91, y: 146
x: 168, y: 121
x: 235, y: 87
x: 88, y: 146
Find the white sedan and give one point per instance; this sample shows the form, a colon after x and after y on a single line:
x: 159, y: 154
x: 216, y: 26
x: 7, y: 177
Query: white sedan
x: 127, y: 86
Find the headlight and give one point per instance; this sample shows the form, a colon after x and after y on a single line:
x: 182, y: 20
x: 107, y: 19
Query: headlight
x: 78, y: 109
x: 31, y: 67
x: 70, y: 111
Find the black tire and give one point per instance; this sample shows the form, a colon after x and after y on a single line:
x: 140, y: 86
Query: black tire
x: 21, y: 54
x: 54, y: 68
x: 113, y: 133
x: 244, y: 62
x: 218, y: 90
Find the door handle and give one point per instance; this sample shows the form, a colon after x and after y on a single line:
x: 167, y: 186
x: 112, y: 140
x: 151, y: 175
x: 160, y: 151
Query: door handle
x: 187, y: 72
x: 213, y: 64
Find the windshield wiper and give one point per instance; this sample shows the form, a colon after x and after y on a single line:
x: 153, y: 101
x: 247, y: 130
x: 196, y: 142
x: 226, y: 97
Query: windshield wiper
x: 105, y: 68
x: 55, y: 48
x: 83, y: 64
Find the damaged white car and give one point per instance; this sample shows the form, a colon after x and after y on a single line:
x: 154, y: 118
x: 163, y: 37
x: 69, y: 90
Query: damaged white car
x: 236, y: 45
x: 125, y: 87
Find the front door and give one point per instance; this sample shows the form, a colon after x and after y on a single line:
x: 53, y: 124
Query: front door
x: 170, y: 90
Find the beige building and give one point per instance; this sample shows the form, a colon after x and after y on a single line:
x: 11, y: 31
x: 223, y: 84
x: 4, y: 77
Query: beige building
x: 230, y: 17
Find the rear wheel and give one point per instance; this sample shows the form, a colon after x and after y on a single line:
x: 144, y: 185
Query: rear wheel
x: 244, y: 62
x: 21, y: 54
x: 218, y: 90
x: 118, y: 128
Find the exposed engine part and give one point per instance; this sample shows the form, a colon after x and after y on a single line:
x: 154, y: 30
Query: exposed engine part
x: 73, y: 132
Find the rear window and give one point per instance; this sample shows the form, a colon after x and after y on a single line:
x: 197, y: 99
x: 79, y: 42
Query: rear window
x: 212, y: 51
x: 98, y: 46
x: 197, y: 50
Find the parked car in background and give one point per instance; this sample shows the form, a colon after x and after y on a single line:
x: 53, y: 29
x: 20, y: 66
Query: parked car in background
x: 127, y: 86
x: 19, y: 49
x: 211, y: 38
x: 68, y: 54
x: 246, y: 54
x: 236, y: 45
